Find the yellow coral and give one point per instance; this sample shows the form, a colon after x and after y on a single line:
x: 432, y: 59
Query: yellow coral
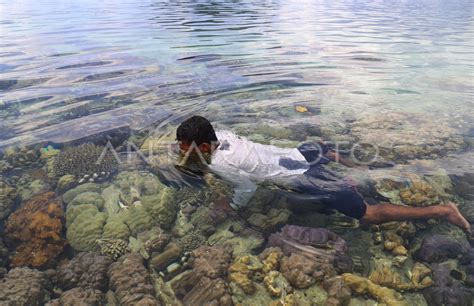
x: 243, y: 281
x: 272, y: 261
x: 388, y: 278
x: 289, y: 300
x: 420, y: 275
x: 276, y: 284
x: 384, y: 295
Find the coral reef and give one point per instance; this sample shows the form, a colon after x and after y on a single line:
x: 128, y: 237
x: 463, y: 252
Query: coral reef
x: 24, y: 286
x: 86, y: 270
x: 320, y: 244
x: 84, y: 160
x: 438, y: 248
x: 362, y: 285
x: 7, y: 198
x: 338, y: 292
x: 270, y: 220
x: 161, y: 207
x: 113, y: 248
x: 79, y: 296
x: 403, y: 187
x: 302, y: 271
x: 86, y: 228
x: 421, y: 275
x: 65, y: 183
x: 88, y: 187
x: 20, y: 156
x: 131, y: 282
x: 35, y: 230
x: 242, y: 270
x: 386, y: 277
x: 149, y: 242
x: 90, y: 217
x: 393, y: 134
x: 191, y: 241
x: 204, y: 284
x: 171, y: 253
x: 276, y: 284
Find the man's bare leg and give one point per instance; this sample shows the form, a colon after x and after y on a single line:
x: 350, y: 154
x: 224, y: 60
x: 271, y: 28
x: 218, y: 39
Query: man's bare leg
x: 388, y: 212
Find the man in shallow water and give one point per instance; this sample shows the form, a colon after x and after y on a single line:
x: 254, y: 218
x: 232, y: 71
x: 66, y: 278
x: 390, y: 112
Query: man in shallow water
x: 245, y: 164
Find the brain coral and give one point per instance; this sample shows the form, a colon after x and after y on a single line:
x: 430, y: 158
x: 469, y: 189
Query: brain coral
x: 35, y: 230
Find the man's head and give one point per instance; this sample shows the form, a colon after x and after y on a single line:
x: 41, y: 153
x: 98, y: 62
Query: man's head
x: 197, y: 132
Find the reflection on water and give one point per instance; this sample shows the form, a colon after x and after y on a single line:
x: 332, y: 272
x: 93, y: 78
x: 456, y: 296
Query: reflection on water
x: 394, y: 77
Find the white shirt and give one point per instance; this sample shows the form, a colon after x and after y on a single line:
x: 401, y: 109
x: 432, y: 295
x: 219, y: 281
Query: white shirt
x: 245, y: 163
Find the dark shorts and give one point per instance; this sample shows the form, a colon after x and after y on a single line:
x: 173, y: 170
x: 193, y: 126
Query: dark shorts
x: 320, y: 185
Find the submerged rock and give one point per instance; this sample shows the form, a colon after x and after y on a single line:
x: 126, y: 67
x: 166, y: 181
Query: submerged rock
x: 438, y: 248
x: 446, y: 290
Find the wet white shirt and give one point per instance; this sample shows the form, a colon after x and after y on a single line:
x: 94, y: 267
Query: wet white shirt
x: 245, y: 163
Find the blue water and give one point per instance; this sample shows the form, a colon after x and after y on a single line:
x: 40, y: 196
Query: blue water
x: 66, y: 60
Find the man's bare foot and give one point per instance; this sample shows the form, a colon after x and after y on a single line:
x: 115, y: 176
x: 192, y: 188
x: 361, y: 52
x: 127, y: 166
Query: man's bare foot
x: 455, y: 217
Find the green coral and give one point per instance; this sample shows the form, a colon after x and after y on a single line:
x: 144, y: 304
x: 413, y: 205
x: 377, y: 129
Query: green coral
x: 138, y: 220
x: 86, y: 229
x: 116, y: 228
x: 162, y: 207
x: 7, y: 197
x: 88, y: 187
x: 83, y: 159
x: 74, y: 211
x: 88, y: 198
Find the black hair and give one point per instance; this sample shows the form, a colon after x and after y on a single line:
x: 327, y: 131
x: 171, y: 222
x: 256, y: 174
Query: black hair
x: 196, y: 129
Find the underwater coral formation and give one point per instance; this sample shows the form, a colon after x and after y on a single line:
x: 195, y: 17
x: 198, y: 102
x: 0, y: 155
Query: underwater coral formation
x: 7, y: 198
x: 319, y: 243
x: 384, y: 295
x: 91, y: 218
x: 86, y: 161
x: 79, y: 296
x: 25, y: 286
x: 131, y: 282
x: 35, y: 230
x: 86, y: 270
x: 393, y: 133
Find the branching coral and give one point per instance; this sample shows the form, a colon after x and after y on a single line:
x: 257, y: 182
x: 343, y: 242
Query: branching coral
x: 35, y: 229
x: 85, y: 159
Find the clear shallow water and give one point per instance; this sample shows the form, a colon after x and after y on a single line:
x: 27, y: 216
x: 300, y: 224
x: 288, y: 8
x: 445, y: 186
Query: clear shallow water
x: 69, y: 70
x: 64, y: 61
